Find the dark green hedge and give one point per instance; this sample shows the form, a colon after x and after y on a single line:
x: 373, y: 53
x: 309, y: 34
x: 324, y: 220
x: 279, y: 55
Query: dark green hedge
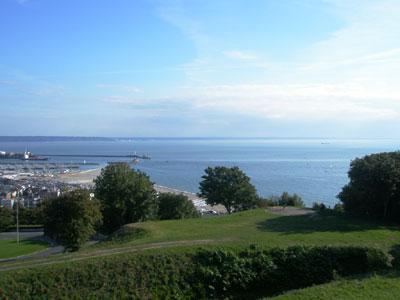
x: 201, y: 274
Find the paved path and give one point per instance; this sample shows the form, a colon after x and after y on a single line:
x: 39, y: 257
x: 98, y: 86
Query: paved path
x: 23, y: 235
x: 72, y: 257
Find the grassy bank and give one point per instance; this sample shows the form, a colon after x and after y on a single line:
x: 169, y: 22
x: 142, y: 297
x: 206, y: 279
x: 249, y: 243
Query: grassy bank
x: 386, y: 286
x: 264, y: 229
x: 10, y: 248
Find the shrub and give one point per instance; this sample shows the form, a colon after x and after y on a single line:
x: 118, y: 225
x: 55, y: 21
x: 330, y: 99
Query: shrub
x: 6, y: 218
x: 395, y: 253
x: 173, y: 206
x: 227, y: 274
x: 268, y: 202
x: 319, y: 206
x: 283, y: 200
x: 338, y: 208
x: 205, y: 274
x: 290, y: 200
x: 28, y: 216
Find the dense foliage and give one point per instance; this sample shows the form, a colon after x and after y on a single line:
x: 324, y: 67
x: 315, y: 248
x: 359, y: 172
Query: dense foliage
x: 28, y: 216
x: 201, y: 275
x: 71, y: 218
x: 283, y: 200
x: 6, y: 218
x: 173, y: 206
x: 231, y: 275
x: 374, y: 187
x: 230, y: 187
x: 127, y: 196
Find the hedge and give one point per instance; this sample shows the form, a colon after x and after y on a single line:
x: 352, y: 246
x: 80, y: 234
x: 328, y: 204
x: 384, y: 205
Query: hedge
x: 200, y: 274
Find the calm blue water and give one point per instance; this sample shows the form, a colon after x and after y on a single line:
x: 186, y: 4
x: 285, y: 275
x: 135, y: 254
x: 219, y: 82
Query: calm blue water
x: 316, y: 169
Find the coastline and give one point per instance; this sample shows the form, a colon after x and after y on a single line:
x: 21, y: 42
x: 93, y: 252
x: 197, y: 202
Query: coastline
x: 87, y: 177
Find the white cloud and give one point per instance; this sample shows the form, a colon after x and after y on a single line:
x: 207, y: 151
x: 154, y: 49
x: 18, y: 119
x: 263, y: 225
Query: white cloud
x: 297, y: 102
x: 351, y: 75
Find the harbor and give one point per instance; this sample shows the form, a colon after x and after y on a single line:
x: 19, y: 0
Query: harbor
x: 29, y: 156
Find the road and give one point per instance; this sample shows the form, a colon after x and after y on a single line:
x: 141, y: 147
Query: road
x: 23, y: 235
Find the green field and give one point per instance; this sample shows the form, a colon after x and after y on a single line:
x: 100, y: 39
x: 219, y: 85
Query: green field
x: 264, y: 229
x: 10, y: 248
x: 235, y: 231
x: 374, y: 287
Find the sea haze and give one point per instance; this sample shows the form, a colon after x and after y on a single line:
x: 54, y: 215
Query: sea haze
x: 316, y: 169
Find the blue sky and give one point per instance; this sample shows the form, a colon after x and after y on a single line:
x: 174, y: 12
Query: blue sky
x: 298, y: 68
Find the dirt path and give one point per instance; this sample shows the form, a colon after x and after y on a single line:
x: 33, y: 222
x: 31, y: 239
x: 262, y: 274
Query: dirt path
x: 100, y: 253
x: 290, y: 211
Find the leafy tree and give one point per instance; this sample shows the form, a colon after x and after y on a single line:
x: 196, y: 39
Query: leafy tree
x: 127, y: 196
x: 374, y: 187
x: 230, y: 187
x: 173, y: 206
x: 6, y: 218
x: 71, y: 218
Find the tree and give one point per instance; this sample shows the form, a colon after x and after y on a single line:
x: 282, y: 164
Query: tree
x: 374, y: 187
x: 230, y: 187
x: 27, y: 216
x: 173, y: 206
x: 127, y: 196
x: 6, y: 218
x: 71, y: 218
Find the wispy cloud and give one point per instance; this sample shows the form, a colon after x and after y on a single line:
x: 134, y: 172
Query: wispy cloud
x: 350, y: 75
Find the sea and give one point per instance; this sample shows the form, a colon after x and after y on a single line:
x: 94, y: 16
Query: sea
x: 316, y: 169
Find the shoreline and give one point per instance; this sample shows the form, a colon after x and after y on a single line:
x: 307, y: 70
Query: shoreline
x: 86, y: 177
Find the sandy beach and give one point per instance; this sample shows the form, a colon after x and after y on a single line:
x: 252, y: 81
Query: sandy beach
x: 82, y: 177
x: 87, y: 177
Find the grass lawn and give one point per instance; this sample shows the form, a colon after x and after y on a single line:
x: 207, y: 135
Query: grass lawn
x: 265, y: 229
x: 373, y: 287
x: 10, y: 248
x: 240, y: 229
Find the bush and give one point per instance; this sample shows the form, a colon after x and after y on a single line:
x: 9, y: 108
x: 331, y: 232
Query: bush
x: 374, y: 187
x: 267, y: 202
x: 6, y: 218
x: 72, y: 218
x: 283, y: 200
x: 395, y: 253
x: 319, y: 206
x: 173, y: 206
x: 205, y: 274
x: 227, y: 274
x: 28, y: 216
